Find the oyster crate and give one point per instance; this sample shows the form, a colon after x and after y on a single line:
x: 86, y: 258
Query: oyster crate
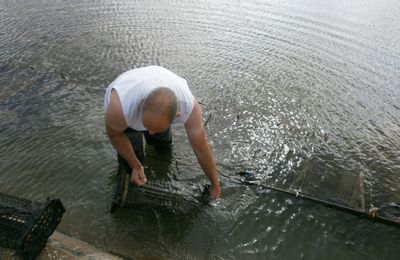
x: 26, y: 225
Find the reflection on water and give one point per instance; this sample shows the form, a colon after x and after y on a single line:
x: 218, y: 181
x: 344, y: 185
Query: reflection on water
x: 304, y: 93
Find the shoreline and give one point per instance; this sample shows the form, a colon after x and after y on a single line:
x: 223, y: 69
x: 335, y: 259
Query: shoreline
x: 60, y: 246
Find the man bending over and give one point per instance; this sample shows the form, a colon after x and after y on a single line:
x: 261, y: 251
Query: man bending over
x: 150, y: 99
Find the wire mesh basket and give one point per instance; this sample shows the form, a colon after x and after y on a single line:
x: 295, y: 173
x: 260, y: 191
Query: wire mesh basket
x: 128, y: 195
x: 26, y: 225
x: 153, y: 193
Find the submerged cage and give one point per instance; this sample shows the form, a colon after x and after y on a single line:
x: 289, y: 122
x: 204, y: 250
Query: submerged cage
x: 26, y: 225
x: 128, y: 195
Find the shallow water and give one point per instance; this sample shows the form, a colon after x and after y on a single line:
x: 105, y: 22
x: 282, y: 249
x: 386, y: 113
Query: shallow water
x: 304, y: 93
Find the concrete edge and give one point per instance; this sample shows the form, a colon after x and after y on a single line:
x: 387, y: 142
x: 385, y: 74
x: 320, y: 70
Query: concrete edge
x: 60, y: 246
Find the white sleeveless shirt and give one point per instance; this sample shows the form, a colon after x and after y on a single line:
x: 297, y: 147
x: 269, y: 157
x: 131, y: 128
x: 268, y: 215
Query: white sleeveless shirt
x: 135, y: 85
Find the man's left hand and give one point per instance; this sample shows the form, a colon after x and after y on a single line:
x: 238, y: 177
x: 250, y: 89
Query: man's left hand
x: 215, y: 192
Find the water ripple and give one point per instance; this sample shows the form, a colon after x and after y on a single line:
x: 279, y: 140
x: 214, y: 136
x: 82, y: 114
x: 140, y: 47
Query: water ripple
x: 304, y: 93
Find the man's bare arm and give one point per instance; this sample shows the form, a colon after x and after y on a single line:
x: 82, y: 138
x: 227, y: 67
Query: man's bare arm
x: 115, y: 126
x: 197, y: 138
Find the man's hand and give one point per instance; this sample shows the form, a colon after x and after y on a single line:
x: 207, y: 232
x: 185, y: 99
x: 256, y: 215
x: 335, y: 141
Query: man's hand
x: 215, y: 192
x: 137, y: 176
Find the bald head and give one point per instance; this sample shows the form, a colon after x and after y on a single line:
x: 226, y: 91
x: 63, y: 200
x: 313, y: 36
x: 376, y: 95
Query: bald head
x: 162, y: 103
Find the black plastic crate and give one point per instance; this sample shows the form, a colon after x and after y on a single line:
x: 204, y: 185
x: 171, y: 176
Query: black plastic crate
x: 26, y: 225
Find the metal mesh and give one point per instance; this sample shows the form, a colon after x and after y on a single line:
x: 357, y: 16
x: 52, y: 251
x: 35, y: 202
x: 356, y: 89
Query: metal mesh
x: 26, y: 225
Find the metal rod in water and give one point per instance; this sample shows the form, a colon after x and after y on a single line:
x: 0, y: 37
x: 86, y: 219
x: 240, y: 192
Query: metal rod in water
x: 371, y: 215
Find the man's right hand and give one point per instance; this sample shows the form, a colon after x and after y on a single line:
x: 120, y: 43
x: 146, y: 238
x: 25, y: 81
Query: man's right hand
x: 137, y: 176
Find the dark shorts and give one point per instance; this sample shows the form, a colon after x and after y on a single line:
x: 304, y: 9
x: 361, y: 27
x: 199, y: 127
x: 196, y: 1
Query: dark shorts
x: 161, y: 141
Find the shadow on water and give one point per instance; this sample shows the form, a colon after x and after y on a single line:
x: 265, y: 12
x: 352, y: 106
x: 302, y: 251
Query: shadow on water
x: 151, y: 231
x: 162, y: 228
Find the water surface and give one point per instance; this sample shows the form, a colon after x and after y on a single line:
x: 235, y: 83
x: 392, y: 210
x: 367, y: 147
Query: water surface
x: 305, y: 94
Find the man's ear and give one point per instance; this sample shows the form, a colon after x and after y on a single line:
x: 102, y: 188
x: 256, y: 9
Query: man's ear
x: 178, y: 114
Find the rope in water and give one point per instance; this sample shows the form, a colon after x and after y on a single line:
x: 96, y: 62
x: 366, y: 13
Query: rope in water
x: 372, y: 214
